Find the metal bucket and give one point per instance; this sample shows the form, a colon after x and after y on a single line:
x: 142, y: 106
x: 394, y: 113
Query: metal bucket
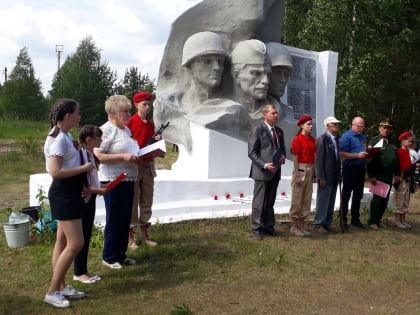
x: 17, y: 234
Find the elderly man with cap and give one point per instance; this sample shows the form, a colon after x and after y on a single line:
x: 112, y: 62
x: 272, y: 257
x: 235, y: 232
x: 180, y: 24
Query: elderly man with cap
x: 402, y: 188
x: 303, y: 151
x: 250, y: 73
x: 385, y: 167
x: 353, y: 151
x: 328, y: 173
x: 142, y: 129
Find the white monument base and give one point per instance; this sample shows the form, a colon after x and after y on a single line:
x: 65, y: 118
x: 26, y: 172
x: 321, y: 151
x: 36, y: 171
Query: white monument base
x: 179, y: 200
x: 212, y: 182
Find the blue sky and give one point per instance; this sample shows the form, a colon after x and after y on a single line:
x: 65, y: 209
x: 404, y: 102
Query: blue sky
x: 129, y: 32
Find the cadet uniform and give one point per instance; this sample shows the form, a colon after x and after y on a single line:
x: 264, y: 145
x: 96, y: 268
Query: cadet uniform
x: 383, y: 166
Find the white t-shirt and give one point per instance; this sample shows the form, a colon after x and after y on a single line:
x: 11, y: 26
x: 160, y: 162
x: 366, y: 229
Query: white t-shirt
x: 63, y: 146
x: 117, y: 140
x: 414, y: 155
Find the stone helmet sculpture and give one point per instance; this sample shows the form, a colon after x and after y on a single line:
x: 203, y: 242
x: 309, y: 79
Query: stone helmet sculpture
x: 203, y: 43
x: 279, y: 55
x: 252, y: 51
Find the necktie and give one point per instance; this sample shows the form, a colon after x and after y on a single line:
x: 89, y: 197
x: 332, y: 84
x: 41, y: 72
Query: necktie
x: 337, y: 147
x: 276, y: 144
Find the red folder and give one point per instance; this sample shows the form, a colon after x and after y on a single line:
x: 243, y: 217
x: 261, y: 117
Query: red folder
x: 381, y: 189
x: 151, y: 151
x: 116, y: 181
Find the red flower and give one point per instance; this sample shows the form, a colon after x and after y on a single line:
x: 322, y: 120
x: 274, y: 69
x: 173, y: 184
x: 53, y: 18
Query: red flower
x: 241, y: 195
x: 227, y: 196
x: 215, y: 197
x: 283, y: 193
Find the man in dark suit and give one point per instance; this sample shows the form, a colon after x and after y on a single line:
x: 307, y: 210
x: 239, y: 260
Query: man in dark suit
x: 266, y: 141
x: 328, y: 173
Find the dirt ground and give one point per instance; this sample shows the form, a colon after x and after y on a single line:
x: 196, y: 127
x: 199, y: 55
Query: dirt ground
x: 7, y: 145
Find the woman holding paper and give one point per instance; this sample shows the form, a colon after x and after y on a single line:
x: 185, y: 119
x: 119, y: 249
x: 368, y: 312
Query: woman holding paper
x: 118, y: 154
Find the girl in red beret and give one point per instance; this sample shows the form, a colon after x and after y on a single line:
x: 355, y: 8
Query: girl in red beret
x: 402, y: 188
x: 303, y: 151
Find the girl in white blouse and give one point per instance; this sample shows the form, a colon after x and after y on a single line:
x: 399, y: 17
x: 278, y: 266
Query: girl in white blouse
x: 65, y: 197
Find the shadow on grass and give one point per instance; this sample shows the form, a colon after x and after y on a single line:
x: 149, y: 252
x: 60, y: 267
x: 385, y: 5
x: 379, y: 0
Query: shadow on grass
x: 187, y: 255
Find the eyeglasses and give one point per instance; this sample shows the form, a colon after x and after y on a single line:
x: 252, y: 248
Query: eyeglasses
x: 359, y: 126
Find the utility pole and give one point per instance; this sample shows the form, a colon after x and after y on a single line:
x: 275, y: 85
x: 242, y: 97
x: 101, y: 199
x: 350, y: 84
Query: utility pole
x: 59, y: 49
x: 5, y: 74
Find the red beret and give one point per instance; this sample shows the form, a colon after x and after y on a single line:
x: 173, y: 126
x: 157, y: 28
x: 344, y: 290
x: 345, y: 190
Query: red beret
x: 404, y: 135
x: 303, y: 120
x: 142, y: 96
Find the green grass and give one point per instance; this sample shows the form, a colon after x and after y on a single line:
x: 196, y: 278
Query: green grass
x: 215, y: 266
x: 23, y: 129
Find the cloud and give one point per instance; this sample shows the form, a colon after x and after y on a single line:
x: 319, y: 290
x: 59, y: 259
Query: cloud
x: 128, y: 32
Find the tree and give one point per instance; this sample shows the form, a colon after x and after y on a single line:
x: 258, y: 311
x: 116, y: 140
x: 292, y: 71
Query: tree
x: 378, y: 43
x: 134, y: 82
x: 85, y: 78
x: 21, y: 95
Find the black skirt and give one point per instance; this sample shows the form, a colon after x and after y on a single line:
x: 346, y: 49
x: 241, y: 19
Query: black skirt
x: 65, y: 197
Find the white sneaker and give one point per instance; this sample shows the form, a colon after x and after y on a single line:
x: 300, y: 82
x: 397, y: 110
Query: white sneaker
x: 128, y: 261
x: 56, y: 299
x: 115, y: 265
x: 72, y: 293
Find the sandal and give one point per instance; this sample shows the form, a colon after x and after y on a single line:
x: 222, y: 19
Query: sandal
x: 89, y: 280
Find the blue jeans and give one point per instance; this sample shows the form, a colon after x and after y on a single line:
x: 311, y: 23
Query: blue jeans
x: 325, y: 201
x: 118, y: 205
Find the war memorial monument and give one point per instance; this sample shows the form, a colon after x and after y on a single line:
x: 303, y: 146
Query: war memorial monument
x: 222, y: 62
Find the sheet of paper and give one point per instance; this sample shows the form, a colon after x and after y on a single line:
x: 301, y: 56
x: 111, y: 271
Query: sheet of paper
x: 381, y: 189
x: 380, y: 144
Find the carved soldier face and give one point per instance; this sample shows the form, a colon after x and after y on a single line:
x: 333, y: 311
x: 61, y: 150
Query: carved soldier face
x: 253, y: 81
x: 207, y: 70
x: 278, y: 81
